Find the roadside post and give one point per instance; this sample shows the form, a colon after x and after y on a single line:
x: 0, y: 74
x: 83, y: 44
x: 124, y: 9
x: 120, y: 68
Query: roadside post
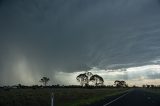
x: 52, y: 99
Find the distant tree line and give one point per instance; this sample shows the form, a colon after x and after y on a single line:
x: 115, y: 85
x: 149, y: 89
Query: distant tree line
x: 151, y: 86
x: 19, y: 86
x: 84, y: 79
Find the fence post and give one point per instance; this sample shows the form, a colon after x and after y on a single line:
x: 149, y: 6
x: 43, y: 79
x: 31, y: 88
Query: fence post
x: 52, y: 99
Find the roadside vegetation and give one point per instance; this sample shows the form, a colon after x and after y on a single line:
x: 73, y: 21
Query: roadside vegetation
x: 63, y: 96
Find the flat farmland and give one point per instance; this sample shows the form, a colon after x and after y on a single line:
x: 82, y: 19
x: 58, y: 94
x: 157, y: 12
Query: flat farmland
x: 63, y: 96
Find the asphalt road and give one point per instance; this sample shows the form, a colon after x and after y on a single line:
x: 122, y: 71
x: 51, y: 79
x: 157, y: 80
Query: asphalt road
x: 136, y: 97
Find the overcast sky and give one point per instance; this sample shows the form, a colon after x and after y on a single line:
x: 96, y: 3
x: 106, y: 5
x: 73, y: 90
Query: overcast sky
x: 61, y: 38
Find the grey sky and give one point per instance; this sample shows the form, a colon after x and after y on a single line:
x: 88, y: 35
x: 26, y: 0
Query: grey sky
x: 42, y: 37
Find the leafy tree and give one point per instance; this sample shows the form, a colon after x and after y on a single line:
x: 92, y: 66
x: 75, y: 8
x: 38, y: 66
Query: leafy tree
x: 89, y: 74
x: 148, y: 86
x: 44, y: 81
x: 152, y: 86
x: 83, y: 79
x: 98, y: 80
x: 144, y: 86
x: 86, y: 77
x: 120, y: 83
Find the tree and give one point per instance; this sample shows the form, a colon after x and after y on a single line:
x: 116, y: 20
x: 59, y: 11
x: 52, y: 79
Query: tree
x: 44, y: 81
x: 89, y: 74
x: 148, y: 86
x: 86, y: 77
x: 144, y: 86
x: 98, y: 80
x: 120, y: 83
x: 152, y: 86
x: 83, y: 79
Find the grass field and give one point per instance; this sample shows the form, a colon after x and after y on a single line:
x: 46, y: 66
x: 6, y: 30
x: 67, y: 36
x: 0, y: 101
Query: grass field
x: 63, y: 96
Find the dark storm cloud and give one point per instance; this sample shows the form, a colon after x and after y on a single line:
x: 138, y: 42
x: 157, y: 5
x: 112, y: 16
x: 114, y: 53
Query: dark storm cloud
x: 75, y: 35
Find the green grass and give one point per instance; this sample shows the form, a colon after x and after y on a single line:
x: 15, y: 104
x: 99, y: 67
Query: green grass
x: 63, y: 96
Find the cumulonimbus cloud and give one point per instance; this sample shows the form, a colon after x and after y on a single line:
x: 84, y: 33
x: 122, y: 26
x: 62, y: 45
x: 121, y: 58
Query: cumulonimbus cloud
x: 71, y: 36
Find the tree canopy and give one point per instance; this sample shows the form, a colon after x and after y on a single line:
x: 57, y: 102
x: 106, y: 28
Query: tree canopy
x: 98, y: 80
x: 118, y: 83
x: 83, y: 79
x: 44, y: 80
x: 86, y: 77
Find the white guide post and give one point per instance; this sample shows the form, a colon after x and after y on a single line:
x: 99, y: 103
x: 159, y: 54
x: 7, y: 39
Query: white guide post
x: 52, y: 99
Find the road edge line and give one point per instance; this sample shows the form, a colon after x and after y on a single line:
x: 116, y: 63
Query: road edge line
x: 116, y: 99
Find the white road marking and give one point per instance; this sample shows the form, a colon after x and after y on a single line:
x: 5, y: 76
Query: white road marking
x: 115, y: 99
